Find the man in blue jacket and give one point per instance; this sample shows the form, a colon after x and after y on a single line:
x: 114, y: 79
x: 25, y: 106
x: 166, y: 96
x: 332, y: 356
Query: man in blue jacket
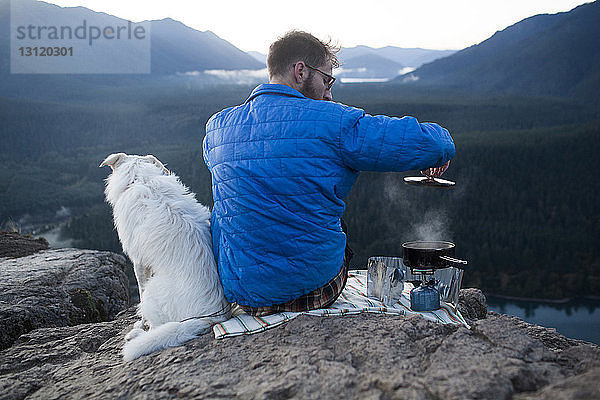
x: 282, y: 164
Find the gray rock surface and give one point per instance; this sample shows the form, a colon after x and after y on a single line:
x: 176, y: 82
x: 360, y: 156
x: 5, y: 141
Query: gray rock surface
x: 59, y: 288
x: 367, y: 356
x: 579, y: 387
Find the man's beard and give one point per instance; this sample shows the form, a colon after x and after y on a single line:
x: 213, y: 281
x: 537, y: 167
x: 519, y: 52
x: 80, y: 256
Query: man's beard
x: 310, y: 90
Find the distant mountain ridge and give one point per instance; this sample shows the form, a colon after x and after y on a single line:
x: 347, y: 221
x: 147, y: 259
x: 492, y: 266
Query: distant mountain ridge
x: 175, y: 47
x: 258, y: 56
x: 406, y: 57
x: 544, y: 55
x: 370, y: 66
x: 547, y: 54
x: 185, y: 53
x: 179, y: 55
x: 179, y: 48
x: 384, y: 62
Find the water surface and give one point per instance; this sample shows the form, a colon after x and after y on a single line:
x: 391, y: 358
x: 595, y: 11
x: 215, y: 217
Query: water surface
x: 577, y: 319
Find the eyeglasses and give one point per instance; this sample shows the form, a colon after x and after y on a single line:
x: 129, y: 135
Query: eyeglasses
x: 330, y: 79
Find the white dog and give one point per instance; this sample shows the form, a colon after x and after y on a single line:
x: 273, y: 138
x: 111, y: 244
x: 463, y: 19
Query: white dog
x: 166, y: 234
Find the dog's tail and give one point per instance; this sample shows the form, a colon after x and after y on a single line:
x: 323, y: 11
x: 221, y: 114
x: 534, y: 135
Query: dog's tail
x: 170, y: 334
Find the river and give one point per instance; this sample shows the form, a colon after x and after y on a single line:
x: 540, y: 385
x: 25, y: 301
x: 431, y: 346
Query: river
x: 577, y: 318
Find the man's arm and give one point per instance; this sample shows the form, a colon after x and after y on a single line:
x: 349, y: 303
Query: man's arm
x: 381, y: 143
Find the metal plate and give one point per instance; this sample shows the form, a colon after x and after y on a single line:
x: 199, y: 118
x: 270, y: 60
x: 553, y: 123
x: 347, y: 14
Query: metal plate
x: 429, y: 182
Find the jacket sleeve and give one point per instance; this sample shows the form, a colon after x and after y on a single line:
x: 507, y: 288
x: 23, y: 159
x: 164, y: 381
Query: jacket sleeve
x: 205, y: 152
x: 381, y: 143
x: 205, y: 143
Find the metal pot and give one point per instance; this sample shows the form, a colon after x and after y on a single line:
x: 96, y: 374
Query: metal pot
x: 429, y: 254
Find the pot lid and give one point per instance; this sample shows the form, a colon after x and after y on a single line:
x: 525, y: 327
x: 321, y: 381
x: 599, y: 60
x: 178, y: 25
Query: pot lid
x: 429, y: 182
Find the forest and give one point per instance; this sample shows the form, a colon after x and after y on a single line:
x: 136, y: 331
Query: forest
x: 524, y: 211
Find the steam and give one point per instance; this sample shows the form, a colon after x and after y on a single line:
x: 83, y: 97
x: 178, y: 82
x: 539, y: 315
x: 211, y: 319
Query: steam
x: 412, y: 217
x: 434, y: 226
x: 395, y: 192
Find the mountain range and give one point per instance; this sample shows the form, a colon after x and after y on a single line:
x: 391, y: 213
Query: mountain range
x: 556, y: 55
x: 364, y: 62
x: 175, y: 47
x: 406, y: 57
x: 179, y: 49
x: 544, y: 55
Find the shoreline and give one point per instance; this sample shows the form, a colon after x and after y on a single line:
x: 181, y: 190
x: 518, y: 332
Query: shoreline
x: 541, y: 300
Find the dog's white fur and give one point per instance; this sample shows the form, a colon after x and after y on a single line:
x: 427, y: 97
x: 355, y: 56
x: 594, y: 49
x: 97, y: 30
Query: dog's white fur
x: 166, y: 234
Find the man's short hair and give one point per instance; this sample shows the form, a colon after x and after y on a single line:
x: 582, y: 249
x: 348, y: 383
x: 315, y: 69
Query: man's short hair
x: 299, y: 46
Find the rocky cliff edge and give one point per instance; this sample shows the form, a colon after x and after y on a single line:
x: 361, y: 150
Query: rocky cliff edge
x: 364, y: 357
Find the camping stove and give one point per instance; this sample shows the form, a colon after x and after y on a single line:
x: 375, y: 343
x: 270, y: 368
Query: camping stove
x: 429, y: 266
x: 426, y: 296
x: 424, y: 258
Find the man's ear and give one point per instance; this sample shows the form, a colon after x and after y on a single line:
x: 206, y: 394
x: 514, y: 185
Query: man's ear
x: 112, y: 160
x: 300, y: 72
x: 157, y: 162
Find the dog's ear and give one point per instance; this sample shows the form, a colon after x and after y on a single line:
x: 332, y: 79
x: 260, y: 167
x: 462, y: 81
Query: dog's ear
x: 112, y: 160
x: 157, y: 162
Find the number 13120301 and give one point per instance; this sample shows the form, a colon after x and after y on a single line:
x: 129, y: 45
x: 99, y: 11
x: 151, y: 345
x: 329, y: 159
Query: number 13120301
x: 46, y: 51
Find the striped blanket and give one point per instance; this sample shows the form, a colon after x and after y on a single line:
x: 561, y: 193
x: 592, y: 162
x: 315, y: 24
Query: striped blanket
x: 353, y: 300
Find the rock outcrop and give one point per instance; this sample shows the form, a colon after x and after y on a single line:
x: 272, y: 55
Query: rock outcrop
x: 364, y: 356
x: 59, y: 287
x: 368, y: 356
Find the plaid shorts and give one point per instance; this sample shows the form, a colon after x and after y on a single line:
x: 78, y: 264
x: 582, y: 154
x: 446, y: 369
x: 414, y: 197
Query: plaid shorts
x: 322, y: 297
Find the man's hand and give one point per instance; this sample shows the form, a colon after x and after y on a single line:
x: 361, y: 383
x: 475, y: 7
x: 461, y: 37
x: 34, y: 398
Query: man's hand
x: 434, y: 172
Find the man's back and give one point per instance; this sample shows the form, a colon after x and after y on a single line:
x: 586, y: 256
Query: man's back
x: 281, y: 166
x: 278, y: 187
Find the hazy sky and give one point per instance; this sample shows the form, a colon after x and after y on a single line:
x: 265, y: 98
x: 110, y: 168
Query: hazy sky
x: 253, y: 25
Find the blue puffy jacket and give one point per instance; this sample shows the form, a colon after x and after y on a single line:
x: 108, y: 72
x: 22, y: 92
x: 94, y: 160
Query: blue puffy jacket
x: 281, y: 166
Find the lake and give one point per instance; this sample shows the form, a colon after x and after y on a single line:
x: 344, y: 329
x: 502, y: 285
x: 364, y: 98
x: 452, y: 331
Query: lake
x: 577, y: 318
